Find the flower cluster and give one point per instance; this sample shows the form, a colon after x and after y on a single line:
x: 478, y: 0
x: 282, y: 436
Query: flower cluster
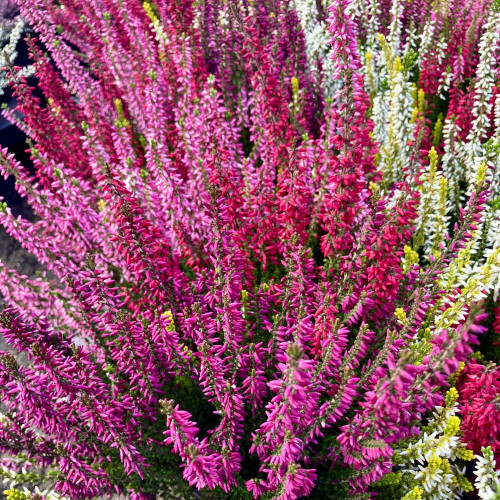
x: 269, y: 241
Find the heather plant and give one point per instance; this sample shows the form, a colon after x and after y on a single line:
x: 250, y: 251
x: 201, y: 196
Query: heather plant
x: 269, y: 241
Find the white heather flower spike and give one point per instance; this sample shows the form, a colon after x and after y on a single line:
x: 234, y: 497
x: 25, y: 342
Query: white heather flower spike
x: 11, y: 33
x: 453, y: 167
x: 485, y: 80
x: 487, y: 477
x: 394, y: 37
x: 318, y: 46
x: 396, y: 133
x: 373, y: 25
x: 433, y: 210
x: 426, y: 38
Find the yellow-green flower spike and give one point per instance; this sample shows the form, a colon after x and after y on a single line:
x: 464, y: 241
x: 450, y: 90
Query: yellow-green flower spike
x: 415, y: 494
x: 451, y: 397
x: 14, y: 494
x: 452, y: 426
x: 169, y: 316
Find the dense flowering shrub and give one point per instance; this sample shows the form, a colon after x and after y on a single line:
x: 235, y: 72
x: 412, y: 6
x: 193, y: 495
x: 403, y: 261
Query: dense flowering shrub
x: 270, y: 239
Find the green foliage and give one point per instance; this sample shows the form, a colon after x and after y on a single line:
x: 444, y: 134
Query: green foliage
x: 332, y: 482
x: 390, y: 487
x: 239, y: 492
